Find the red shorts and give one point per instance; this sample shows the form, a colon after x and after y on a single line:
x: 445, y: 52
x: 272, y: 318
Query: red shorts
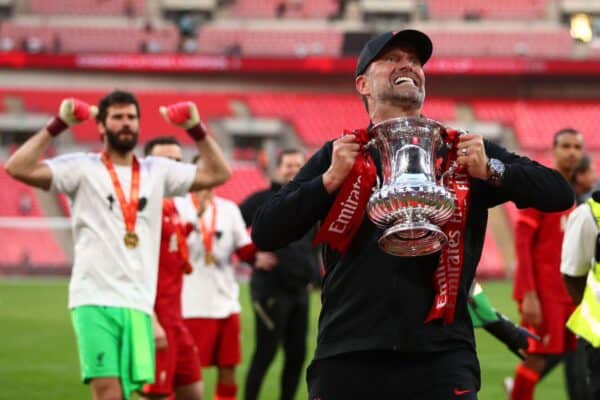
x: 177, y: 365
x: 555, y: 337
x: 218, y: 340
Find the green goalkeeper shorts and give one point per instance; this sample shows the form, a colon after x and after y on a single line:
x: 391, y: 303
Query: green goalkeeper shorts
x: 115, y: 342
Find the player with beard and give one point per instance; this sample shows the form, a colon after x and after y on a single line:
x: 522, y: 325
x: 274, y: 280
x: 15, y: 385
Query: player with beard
x: 397, y: 327
x: 116, y: 201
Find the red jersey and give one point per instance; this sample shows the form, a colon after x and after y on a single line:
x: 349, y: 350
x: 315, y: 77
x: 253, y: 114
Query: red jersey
x: 173, y: 263
x: 538, y: 244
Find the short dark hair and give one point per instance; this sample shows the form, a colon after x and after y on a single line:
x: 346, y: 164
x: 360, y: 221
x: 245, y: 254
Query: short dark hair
x: 196, y: 158
x: 563, y: 131
x: 115, y: 97
x: 286, y: 152
x: 582, y: 167
x: 157, y: 141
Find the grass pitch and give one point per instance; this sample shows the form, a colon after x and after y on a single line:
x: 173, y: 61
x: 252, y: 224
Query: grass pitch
x: 38, y: 357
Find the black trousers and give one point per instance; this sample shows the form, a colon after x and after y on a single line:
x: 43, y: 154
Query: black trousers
x: 392, y: 375
x: 281, y: 318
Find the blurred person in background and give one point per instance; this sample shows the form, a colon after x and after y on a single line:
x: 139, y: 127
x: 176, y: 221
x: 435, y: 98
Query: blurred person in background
x: 584, y: 179
x: 388, y: 327
x: 544, y: 303
x: 280, y: 293
x: 177, y: 369
x: 210, y: 297
x: 116, y: 214
x: 580, y: 268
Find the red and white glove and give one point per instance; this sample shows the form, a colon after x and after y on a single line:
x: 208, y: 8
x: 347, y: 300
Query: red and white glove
x: 71, y: 112
x: 185, y: 115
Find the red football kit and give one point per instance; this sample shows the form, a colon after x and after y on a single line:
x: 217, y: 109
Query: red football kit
x: 539, y: 237
x: 176, y: 365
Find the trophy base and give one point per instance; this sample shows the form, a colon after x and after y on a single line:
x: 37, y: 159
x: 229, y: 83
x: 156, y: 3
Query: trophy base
x: 411, y: 240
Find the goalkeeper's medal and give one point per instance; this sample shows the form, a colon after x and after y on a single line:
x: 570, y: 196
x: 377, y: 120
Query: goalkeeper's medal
x: 129, y: 209
x: 131, y: 240
x: 207, y: 232
x: 209, y: 259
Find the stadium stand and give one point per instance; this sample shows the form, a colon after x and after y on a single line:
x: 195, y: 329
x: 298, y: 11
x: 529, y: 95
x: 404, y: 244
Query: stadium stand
x: 284, y: 8
x: 325, y: 116
x: 44, y: 250
x: 475, y: 9
x: 86, y: 7
x: 536, y: 121
x: 269, y: 42
x: 85, y: 38
x: 547, y: 43
x: 244, y: 181
x: 211, y: 105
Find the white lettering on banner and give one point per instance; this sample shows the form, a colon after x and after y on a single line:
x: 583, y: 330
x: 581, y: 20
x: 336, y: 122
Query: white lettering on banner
x: 349, y: 207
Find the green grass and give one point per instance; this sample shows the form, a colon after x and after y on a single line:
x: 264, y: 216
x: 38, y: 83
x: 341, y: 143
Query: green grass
x: 38, y: 358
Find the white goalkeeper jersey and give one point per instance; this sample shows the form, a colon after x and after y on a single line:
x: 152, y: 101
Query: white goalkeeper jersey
x: 105, y: 271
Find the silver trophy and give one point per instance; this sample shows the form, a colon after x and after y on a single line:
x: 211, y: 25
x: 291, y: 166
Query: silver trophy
x: 411, y: 203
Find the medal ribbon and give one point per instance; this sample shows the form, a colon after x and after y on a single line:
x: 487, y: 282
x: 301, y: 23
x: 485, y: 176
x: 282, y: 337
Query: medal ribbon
x: 129, y: 209
x: 207, y: 234
x: 182, y: 247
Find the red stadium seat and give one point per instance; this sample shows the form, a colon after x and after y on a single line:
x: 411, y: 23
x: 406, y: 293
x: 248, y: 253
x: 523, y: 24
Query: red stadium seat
x: 38, y: 246
x: 244, y: 181
x: 505, y: 9
x: 86, y: 7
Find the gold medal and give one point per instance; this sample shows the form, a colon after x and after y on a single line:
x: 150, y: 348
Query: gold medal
x: 131, y: 240
x: 209, y: 259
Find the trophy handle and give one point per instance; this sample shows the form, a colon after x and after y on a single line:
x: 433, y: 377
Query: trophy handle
x: 448, y: 172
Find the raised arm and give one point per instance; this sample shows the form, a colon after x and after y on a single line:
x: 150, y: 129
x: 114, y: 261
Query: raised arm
x: 213, y: 170
x: 25, y: 164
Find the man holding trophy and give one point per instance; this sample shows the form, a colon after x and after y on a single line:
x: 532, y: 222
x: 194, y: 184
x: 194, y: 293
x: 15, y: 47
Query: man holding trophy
x: 394, y: 321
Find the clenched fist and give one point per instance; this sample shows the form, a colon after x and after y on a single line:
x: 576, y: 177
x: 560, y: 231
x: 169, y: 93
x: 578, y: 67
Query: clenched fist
x: 71, y: 112
x: 345, y: 151
x: 185, y: 115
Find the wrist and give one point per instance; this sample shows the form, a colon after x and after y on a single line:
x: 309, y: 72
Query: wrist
x: 56, y: 126
x: 197, y: 132
x: 331, y: 181
x: 495, y: 172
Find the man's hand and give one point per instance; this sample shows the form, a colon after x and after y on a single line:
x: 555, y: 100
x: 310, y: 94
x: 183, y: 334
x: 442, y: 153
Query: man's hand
x: 471, y: 155
x: 160, y: 337
x: 531, y: 309
x: 71, y: 112
x: 265, y: 260
x: 345, y: 151
x: 185, y: 115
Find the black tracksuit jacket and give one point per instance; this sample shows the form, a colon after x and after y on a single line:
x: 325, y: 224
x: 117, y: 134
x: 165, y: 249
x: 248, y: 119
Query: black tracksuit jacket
x: 298, y: 261
x: 375, y: 301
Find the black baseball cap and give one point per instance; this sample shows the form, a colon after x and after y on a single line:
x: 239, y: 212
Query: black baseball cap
x: 371, y: 50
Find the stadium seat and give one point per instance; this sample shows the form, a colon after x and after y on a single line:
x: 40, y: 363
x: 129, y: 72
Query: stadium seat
x: 475, y: 9
x: 86, y: 7
x: 34, y: 246
x: 244, y: 181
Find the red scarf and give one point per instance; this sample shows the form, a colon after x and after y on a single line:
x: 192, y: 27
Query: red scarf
x: 346, y: 215
x: 446, y: 277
